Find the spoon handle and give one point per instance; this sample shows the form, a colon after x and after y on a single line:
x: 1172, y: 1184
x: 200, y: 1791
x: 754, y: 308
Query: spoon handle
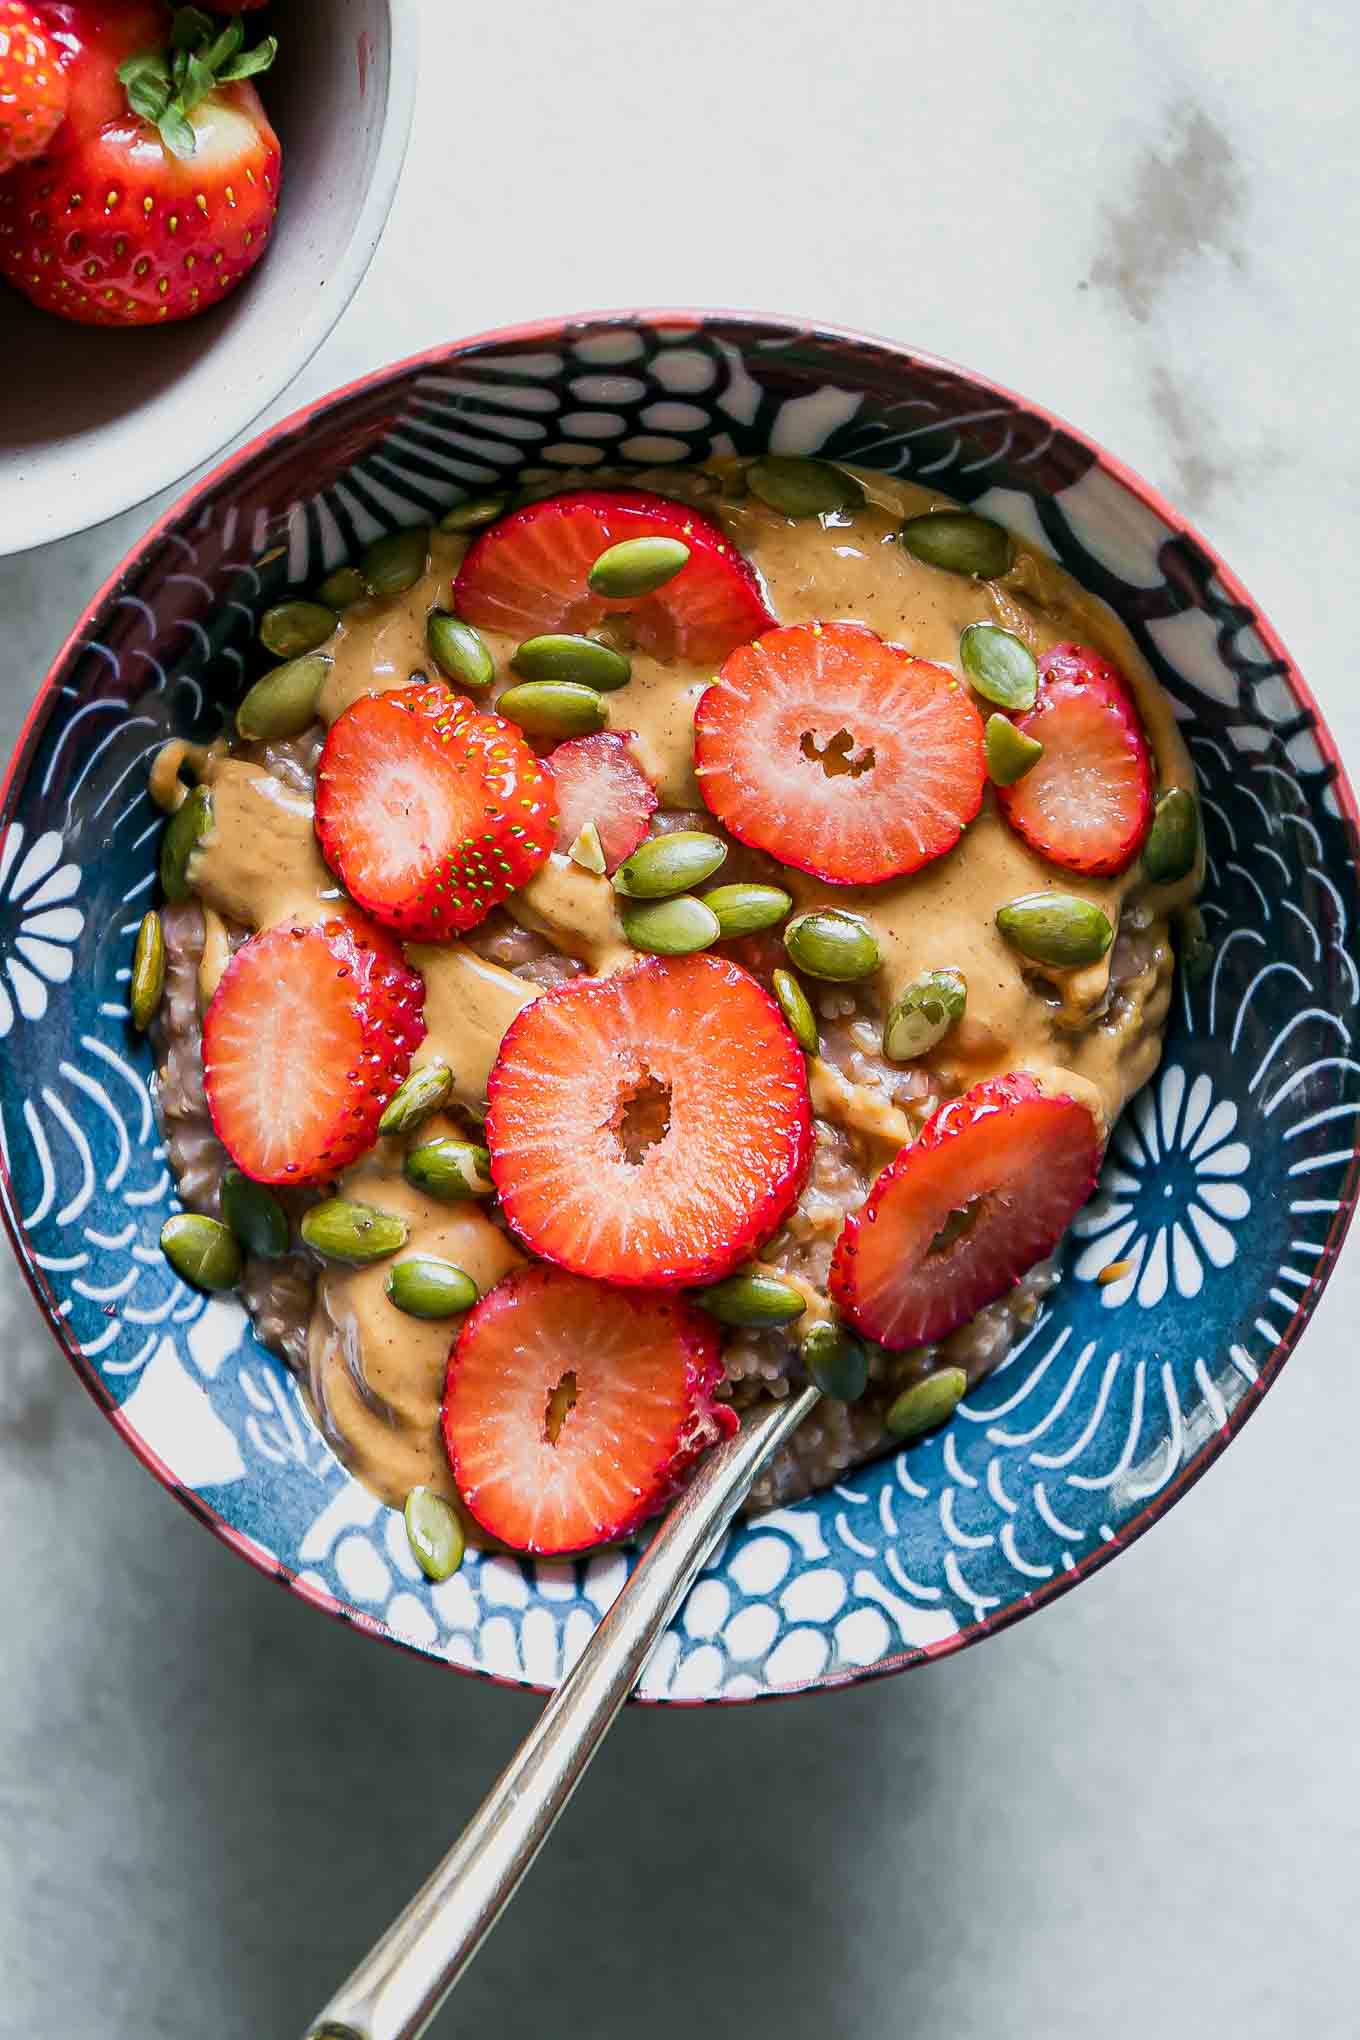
x: 401, y: 1983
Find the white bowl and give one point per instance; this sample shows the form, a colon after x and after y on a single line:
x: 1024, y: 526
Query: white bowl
x: 93, y: 421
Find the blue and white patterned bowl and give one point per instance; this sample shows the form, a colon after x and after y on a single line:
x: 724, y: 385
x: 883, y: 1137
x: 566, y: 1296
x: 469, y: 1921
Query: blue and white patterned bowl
x: 1228, y: 1186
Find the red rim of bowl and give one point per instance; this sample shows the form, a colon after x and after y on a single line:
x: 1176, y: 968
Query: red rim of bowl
x: 536, y: 331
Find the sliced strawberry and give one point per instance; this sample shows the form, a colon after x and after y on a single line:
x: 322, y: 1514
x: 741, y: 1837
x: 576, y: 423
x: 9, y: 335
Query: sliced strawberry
x: 429, y: 810
x: 838, y: 753
x: 598, y: 781
x: 309, y: 1034
x: 1009, y: 1166
x: 1087, y: 804
x: 572, y: 1412
x: 652, y: 1127
x: 527, y: 575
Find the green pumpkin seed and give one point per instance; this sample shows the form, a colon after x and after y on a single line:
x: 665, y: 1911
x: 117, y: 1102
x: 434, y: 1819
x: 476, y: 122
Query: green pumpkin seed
x: 802, y: 488
x: 959, y: 542
x: 636, y: 567
x: 184, y: 831
x: 837, y: 1364
x: 792, y: 1002
x: 201, y: 1251
x: 474, y: 513
x: 746, y: 909
x: 923, y: 1013
x: 580, y: 659
x: 459, y: 651
x: 344, y: 586
x: 434, y: 1533
x: 588, y: 850
x: 291, y: 629
x: 426, y: 1287
x: 1193, y: 946
x: 833, y: 944
x: 255, y: 1216
x: 554, y: 708
x: 1010, y: 752
x: 1057, y: 929
x: 1000, y: 666
x: 148, y: 971
x: 670, y: 927
x: 665, y: 865
x: 927, y: 1404
x: 753, y: 1299
x: 450, y: 1170
x: 283, y: 703
x: 345, y: 1231
x: 395, y: 563
x: 423, y: 1093
x: 1172, y: 847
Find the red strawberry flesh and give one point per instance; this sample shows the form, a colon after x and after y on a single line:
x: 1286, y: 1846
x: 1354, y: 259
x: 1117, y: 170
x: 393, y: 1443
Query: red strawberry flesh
x: 652, y: 1127
x: 1087, y: 803
x: 598, y: 781
x: 572, y: 1411
x: 1015, y: 1164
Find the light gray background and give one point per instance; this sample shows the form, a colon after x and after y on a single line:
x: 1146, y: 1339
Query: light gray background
x: 1139, y: 1810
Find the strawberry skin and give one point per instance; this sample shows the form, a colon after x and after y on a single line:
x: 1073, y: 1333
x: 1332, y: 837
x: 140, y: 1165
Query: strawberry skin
x: 652, y: 1127
x: 573, y: 1412
x: 430, y: 811
x: 34, y: 89
x: 528, y: 575
x: 1026, y: 1163
x: 839, y: 754
x: 1087, y: 804
x: 597, y: 781
x: 309, y: 1034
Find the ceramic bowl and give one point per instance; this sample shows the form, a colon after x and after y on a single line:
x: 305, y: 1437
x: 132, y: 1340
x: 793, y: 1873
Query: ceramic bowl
x: 1228, y: 1185
x: 97, y: 421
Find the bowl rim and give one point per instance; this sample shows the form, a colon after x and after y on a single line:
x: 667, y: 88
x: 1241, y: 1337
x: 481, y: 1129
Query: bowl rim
x: 183, y: 453
x: 552, y: 328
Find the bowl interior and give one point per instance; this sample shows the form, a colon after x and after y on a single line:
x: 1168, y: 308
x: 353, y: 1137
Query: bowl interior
x: 98, y: 420
x: 1227, y: 1186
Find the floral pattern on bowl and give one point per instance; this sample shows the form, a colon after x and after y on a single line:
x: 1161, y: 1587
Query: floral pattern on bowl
x: 1225, y: 1194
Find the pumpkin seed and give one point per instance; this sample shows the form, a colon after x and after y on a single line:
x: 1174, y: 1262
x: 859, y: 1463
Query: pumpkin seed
x: 837, y: 1364
x: 1193, y: 945
x: 474, y: 513
x: 923, y: 1013
x: 459, y: 651
x: 960, y: 542
x: 792, y: 1002
x: 1000, y: 666
x: 255, y: 1216
x: 927, y: 1404
x: 746, y: 909
x: 148, y: 971
x: 291, y: 629
x: 434, y: 1533
x: 802, y: 488
x: 423, y: 1093
x: 588, y: 850
x: 833, y: 944
x: 426, y: 1287
x: 753, y: 1299
x: 395, y: 563
x: 283, y: 703
x: 636, y: 567
x: 581, y: 659
x: 1010, y: 752
x: 346, y: 1231
x: 665, y: 865
x: 200, y: 1250
x: 344, y: 586
x: 1172, y: 847
x: 184, y: 831
x: 670, y: 927
x: 449, y: 1170
x: 1057, y: 929
x: 554, y: 708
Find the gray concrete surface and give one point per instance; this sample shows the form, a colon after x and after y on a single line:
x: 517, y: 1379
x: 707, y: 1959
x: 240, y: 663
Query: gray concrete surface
x: 1139, y: 1810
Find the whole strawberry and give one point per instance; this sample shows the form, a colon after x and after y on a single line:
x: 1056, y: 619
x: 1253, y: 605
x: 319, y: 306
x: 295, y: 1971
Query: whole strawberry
x: 33, y: 87
x: 160, y: 189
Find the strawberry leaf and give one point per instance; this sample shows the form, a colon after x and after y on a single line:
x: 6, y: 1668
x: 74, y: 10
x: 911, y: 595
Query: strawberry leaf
x: 190, y: 27
x: 177, y: 133
x: 250, y: 62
